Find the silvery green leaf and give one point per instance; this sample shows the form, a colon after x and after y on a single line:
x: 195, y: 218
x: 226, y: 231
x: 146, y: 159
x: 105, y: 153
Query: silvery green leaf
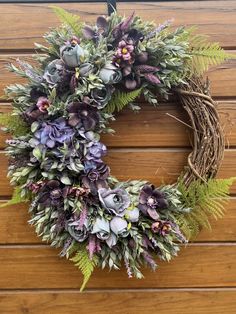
x: 37, y: 152
x: 34, y: 126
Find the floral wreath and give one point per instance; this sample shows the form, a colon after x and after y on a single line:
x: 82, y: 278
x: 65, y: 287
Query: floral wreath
x: 82, y: 77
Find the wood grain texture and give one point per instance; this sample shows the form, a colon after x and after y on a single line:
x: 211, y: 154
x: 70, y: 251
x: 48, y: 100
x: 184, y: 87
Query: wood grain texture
x: 116, y: 302
x: 38, y: 267
x: 214, y: 18
x: 152, y: 127
x: 222, y: 77
x: 157, y: 166
x: 14, y: 227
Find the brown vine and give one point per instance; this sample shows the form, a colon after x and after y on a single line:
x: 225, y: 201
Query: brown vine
x: 208, y: 137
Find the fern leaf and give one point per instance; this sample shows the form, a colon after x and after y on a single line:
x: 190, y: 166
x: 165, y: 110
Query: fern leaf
x: 206, y: 200
x: 16, y: 198
x: 120, y: 99
x: 85, y: 264
x: 13, y: 124
x: 69, y: 19
x: 205, y: 54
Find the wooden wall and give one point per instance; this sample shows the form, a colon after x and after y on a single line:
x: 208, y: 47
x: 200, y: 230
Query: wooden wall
x: 151, y: 145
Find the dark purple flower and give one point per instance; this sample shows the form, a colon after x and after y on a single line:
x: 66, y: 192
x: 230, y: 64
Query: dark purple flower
x: 150, y: 200
x: 52, y: 133
x: 52, y: 193
x: 119, y: 30
x: 32, y: 114
x: 95, y: 179
x: 81, y: 114
x: 115, y: 201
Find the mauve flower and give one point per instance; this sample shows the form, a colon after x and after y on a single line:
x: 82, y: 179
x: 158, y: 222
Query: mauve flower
x: 43, y: 103
x: 78, y: 232
x: 83, y: 115
x: 101, y: 228
x: 115, y: 201
x: 165, y: 228
x: 110, y: 74
x: 124, y: 51
x: 150, y: 200
x: 95, y: 179
x: 156, y: 226
x: 101, y: 96
x: 54, y: 72
x: 52, y: 133
x: 132, y: 215
x: 119, y: 226
x: 71, y: 53
x: 52, y: 193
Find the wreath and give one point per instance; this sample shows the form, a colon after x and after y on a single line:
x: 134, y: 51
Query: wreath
x: 79, y: 80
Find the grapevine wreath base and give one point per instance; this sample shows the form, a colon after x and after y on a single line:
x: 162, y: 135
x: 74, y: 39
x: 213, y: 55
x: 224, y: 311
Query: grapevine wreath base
x: 81, y: 79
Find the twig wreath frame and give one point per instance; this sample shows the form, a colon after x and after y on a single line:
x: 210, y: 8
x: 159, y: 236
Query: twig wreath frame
x: 82, y: 77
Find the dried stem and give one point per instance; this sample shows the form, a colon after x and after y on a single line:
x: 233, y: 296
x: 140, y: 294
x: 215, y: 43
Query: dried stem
x: 208, y: 138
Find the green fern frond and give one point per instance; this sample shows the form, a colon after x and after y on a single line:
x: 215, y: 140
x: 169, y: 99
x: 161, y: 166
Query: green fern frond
x: 120, y: 99
x: 69, y: 19
x: 205, y: 54
x: 206, y: 200
x: 16, y: 198
x: 13, y: 124
x: 85, y: 264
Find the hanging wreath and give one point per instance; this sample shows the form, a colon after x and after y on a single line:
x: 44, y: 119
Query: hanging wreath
x: 81, y: 79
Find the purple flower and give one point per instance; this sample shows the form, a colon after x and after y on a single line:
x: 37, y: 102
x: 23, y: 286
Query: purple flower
x: 43, y: 103
x: 81, y: 114
x: 52, y: 193
x: 95, y: 151
x: 150, y: 200
x: 32, y: 114
x: 119, y: 226
x: 95, y: 179
x: 124, y: 52
x: 52, y: 133
x: 71, y: 53
x: 115, y: 201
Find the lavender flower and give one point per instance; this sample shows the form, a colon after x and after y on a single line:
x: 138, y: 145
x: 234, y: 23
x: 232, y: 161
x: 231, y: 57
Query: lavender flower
x: 95, y: 151
x: 150, y: 200
x: 53, y: 133
x: 115, y: 201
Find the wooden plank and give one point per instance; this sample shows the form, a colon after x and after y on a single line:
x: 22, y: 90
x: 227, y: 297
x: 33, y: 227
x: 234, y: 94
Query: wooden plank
x: 39, y: 267
x: 14, y: 228
x: 212, y: 18
x: 155, y: 165
x: 152, y: 127
x: 222, y: 77
x: 133, y: 302
x: 40, y: 17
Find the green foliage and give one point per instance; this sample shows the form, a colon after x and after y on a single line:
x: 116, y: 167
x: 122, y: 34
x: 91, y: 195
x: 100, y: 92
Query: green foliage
x: 13, y: 124
x: 16, y: 198
x: 206, y: 54
x: 69, y: 19
x: 120, y: 99
x: 206, y: 200
x: 85, y: 264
